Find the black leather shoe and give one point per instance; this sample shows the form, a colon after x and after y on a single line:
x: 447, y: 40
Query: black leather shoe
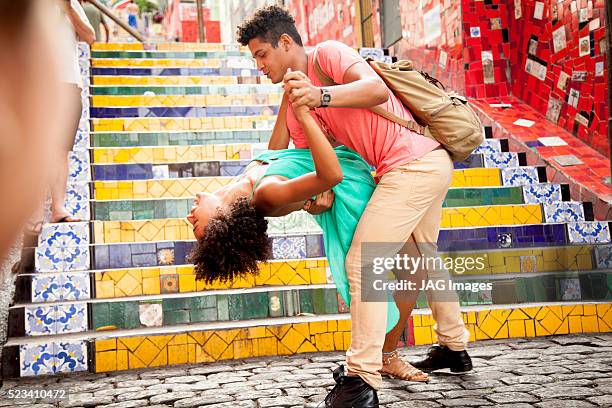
x: 350, y: 392
x: 439, y: 357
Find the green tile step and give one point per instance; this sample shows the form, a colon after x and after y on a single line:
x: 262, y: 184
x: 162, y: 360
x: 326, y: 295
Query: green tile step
x: 180, y: 138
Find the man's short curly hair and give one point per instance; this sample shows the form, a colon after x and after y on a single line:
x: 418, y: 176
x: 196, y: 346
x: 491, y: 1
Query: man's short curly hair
x: 268, y: 23
x: 233, y: 242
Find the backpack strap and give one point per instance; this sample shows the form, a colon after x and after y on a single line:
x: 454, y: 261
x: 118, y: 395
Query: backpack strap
x: 326, y: 80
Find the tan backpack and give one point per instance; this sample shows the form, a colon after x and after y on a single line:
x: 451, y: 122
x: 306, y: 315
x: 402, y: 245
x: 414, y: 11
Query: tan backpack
x: 444, y: 116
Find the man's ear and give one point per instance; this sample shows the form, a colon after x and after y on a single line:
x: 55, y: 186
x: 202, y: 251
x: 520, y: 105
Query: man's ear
x: 285, y: 41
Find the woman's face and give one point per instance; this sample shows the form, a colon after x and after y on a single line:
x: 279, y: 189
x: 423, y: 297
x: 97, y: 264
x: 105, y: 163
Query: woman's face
x: 205, y: 206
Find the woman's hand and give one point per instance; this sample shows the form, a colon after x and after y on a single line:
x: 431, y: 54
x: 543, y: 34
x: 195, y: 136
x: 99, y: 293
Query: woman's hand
x: 301, y: 112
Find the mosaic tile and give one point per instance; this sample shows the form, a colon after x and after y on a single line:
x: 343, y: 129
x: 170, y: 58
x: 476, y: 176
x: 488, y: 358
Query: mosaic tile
x: 501, y: 160
x: 570, y: 289
x: 529, y: 264
x: 289, y: 248
x: 81, y: 141
x: 603, y: 256
x: 151, y: 314
x: 71, y: 318
x: 542, y: 193
x: 40, y: 320
x: 488, y: 146
x: 58, y: 287
x: 78, y: 209
x: 563, y: 212
x: 71, y: 357
x: 77, y: 192
x: 52, y: 358
x: 520, y: 176
x: 46, y: 288
x: 63, y: 235
x: 586, y: 232
x: 37, y: 359
x: 75, y: 286
x: 78, y: 167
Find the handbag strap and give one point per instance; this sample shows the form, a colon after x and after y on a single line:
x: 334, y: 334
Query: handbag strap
x: 326, y: 80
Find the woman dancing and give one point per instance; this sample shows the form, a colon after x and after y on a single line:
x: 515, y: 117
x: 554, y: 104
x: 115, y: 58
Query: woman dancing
x: 230, y: 227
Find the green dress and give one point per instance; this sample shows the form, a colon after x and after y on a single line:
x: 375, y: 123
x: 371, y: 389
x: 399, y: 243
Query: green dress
x: 339, y: 223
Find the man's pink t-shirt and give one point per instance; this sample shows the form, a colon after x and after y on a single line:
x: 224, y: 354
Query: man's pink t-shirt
x: 382, y: 143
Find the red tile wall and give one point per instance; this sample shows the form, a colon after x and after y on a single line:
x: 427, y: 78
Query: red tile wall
x: 320, y: 20
x: 439, y: 55
x: 580, y: 106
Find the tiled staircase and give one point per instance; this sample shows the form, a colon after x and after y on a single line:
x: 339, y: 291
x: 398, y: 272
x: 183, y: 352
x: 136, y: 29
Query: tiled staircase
x: 116, y: 292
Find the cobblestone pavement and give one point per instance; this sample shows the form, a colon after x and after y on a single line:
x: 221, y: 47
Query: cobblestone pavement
x: 553, y: 372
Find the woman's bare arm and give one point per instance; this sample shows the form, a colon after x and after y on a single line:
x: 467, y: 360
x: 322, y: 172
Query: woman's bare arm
x: 280, y: 134
x: 272, y: 194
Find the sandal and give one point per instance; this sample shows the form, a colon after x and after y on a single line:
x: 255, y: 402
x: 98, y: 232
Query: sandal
x: 396, y: 367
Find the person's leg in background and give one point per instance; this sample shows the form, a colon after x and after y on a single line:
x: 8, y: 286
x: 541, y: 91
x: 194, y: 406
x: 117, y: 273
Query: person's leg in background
x: 58, y: 187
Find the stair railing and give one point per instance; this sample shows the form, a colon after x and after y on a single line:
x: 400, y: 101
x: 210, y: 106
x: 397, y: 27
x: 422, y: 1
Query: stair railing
x: 106, y: 11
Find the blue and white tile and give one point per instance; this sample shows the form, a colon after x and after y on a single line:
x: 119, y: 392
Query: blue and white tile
x: 81, y: 140
x: 603, y: 256
x: 36, y: 359
x: 71, y: 356
x: 84, y: 51
x: 563, y: 211
x: 589, y: 232
x: 49, y: 259
x: 65, y: 234
x: 47, y: 287
x: 78, y: 192
x: 542, y: 193
x: 78, y: 209
x: 489, y: 146
x: 84, y: 108
x: 375, y: 53
x: 71, y: 318
x: 289, y: 247
x: 501, y: 160
x: 77, y: 258
x: 75, y: 286
x: 84, y: 126
x: 40, y: 320
x: 78, y: 166
x: 520, y: 176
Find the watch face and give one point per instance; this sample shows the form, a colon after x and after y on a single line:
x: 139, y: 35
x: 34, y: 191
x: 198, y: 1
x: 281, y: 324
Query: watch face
x: 326, y: 98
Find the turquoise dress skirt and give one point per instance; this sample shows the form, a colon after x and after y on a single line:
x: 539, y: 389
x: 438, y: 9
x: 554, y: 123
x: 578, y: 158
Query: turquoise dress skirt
x: 351, y: 197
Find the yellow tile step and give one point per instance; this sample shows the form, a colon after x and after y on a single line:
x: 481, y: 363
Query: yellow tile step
x: 332, y: 333
x: 119, y: 80
x: 185, y: 124
x: 172, y: 154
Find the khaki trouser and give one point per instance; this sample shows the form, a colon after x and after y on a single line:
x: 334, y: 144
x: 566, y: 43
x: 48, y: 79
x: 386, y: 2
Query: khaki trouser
x: 407, y: 201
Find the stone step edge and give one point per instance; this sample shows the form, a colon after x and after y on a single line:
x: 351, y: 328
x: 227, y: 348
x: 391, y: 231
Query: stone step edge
x: 242, y: 324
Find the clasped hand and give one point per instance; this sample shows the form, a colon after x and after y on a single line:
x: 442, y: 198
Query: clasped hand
x: 302, y: 94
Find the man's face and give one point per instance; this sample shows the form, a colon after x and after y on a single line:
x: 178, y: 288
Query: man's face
x: 273, y: 62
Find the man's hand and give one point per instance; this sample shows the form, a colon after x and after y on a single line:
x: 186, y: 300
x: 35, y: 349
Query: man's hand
x: 300, y: 90
x: 322, y: 203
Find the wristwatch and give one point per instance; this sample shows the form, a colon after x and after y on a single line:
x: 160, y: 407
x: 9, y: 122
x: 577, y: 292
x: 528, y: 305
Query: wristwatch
x: 325, y: 98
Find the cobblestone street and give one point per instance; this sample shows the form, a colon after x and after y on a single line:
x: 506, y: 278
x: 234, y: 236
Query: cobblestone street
x: 554, y: 372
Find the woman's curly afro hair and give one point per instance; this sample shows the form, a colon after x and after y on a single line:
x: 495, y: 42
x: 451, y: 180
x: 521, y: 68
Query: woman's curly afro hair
x: 268, y: 23
x: 233, y: 242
